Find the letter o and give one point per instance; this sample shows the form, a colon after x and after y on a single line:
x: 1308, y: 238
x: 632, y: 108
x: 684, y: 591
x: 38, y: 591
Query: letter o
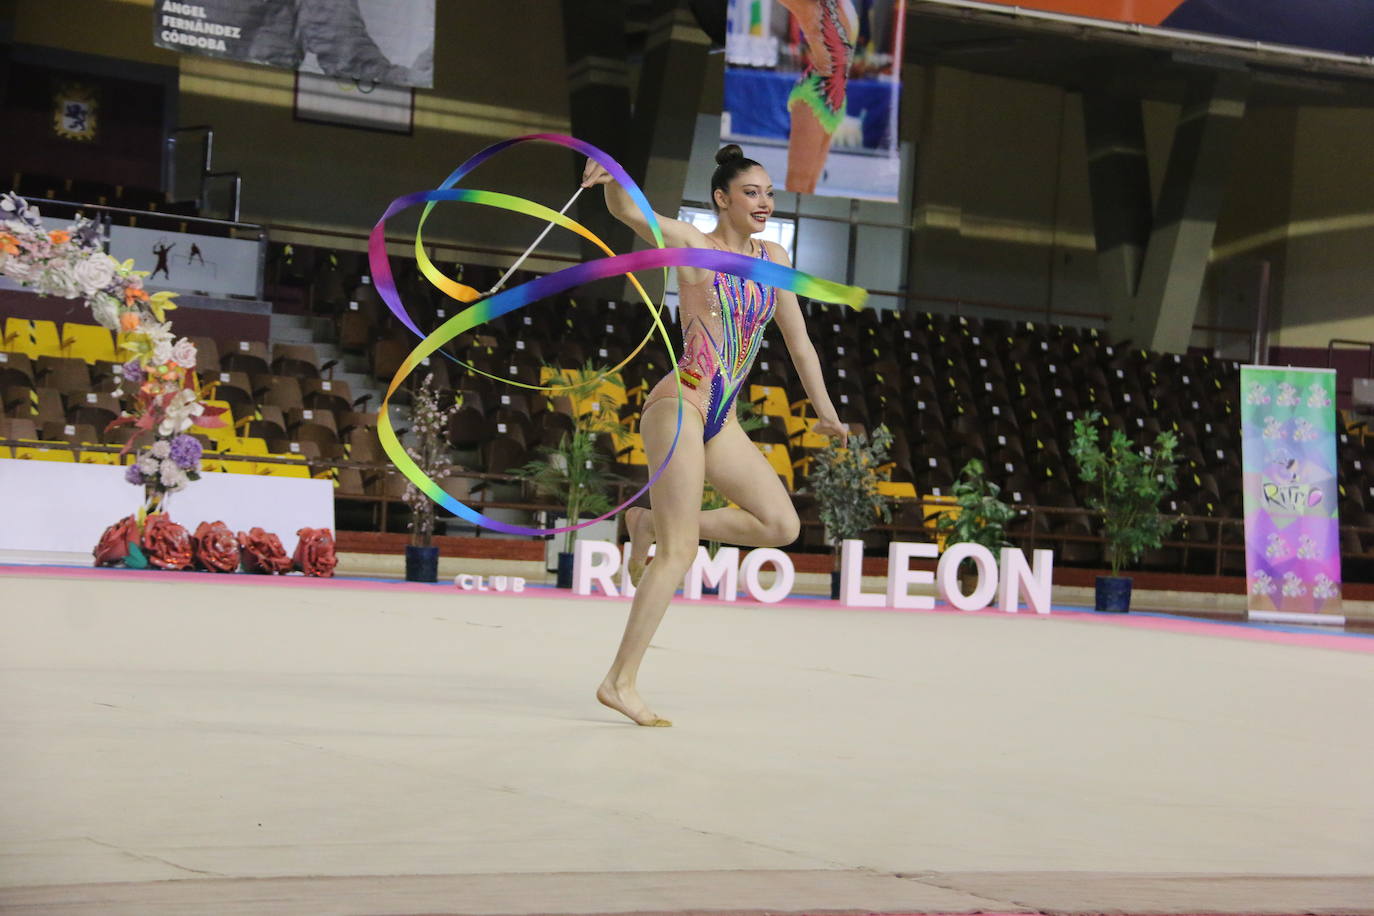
x: 947, y: 576
x: 749, y: 573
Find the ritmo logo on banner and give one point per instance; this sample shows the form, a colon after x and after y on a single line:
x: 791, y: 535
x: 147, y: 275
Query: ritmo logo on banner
x: 1005, y: 579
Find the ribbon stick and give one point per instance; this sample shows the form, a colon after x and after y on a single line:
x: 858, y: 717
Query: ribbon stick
x: 660, y: 258
x: 533, y: 245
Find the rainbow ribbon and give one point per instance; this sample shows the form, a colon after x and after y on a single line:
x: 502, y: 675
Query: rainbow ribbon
x: 763, y: 272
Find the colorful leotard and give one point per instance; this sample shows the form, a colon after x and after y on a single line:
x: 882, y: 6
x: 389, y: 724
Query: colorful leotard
x: 723, y: 318
x: 826, y: 75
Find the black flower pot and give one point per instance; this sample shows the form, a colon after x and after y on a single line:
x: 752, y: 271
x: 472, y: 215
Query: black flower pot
x: 834, y: 586
x: 1113, y: 594
x: 565, y: 569
x: 422, y: 564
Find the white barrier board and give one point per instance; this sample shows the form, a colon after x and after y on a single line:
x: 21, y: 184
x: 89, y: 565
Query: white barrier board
x: 56, y: 507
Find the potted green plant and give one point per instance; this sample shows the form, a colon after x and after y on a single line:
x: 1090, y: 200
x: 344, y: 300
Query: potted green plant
x: 429, y: 449
x: 574, y: 472
x: 978, y: 516
x: 844, y: 480
x: 1128, y: 485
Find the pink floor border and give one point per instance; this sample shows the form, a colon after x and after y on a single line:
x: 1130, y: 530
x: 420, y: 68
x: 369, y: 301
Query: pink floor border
x: 1184, y: 625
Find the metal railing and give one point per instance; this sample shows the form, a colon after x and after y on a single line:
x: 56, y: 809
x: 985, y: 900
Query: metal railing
x: 1033, y: 527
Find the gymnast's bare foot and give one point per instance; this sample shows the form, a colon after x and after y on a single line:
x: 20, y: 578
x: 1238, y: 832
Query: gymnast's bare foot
x: 626, y: 700
x: 640, y: 524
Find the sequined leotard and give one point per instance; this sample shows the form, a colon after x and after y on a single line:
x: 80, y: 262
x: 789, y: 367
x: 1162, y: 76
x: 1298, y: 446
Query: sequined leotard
x: 723, y: 318
x: 824, y: 79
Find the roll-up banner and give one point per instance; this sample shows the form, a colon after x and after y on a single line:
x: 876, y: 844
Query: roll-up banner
x: 1292, y: 533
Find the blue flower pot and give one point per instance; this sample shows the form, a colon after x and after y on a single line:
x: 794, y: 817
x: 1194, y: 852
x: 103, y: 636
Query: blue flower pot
x: 1113, y: 594
x: 565, y: 570
x: 422, y: 564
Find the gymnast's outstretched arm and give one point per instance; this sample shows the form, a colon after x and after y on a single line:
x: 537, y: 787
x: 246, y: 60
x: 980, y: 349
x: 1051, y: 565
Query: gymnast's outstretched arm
x: 676, y: 233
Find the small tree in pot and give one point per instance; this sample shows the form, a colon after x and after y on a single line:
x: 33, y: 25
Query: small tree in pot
x: 574, y: 472
x: 979, y: 515
x: 1127, y: 488
x: 429, y: 449
x: 844, y: 480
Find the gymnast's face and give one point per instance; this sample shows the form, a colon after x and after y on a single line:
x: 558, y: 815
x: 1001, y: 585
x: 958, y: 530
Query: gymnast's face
x: 750, y: 201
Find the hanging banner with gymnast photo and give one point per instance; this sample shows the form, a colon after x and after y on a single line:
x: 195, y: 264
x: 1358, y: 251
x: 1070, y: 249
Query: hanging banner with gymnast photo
x: 373, y: 42
x: 812, y: 91
x: 1334, y: 26
x: 1292, y: 533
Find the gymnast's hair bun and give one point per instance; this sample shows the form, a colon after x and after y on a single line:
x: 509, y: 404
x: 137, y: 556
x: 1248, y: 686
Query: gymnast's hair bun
x: 728, y: 152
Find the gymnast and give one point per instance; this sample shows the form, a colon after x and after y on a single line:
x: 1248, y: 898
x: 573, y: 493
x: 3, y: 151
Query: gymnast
x: 723, y: 318
x: 817, y: 103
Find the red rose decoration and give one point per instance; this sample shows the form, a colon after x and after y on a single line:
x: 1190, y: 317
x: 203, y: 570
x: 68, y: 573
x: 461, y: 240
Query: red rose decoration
x: 114, y: 545
x: 216, y: 548
x: 167, y: 544
x: 315, y: 552
x: 262, y: 552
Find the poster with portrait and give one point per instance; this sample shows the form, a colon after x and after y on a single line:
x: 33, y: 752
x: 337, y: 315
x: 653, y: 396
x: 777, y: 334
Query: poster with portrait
x: 373, y: 42
x: 812, y: 91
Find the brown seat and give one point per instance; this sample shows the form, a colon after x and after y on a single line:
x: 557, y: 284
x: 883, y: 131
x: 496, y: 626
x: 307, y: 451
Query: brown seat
x: 364, y: 446
x: 107, y: 377
x: 306, y: 448
x: 352, y: 419
x: 17, y: 399
x: 356, y: 329
x: 18, y: 428
x: 319, y: 434
x: 233, y: 388
x: 279, y: 391
x: 15, y: 369
x: 467, y: 428
x: 327, y: 394
x: 67, y: 375
x: 386, y: 358
x: 44, y: 404
x: 351, y: 483
x: 75, y: 433
x: 244, y: 356
x: 120, y: 434
x: 264, y: 429
x: 296, y: 360
x: 502, y: 454
x: 207, y: 356
x: 307, y: 416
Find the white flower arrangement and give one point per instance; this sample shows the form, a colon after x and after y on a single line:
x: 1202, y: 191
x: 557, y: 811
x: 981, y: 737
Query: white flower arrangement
x: 71, y: 263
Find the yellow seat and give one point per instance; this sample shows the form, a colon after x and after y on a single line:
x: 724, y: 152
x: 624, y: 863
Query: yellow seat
x: 770, y: 400
x: 897, y: 488
x: 635, y: 445
x: 97, y: 458
x: 89, y: 342
x: 932, y: 507
x: 5, y: 452
x: 295, y: 469
x: 248, y: 445
x: 32, y: 338
x: 780, y: 460
x: 220, y: 435
x: 239, y: 467
x: 40, y: 452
